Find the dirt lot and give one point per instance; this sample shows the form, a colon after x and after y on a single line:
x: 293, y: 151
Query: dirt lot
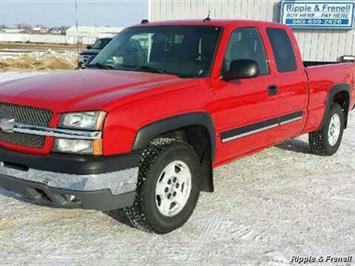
x: 46, y: 62
x: 38, y: 57
x: 269, y: 207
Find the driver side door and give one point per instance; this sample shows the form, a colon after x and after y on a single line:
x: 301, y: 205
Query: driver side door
x: 248, y: 109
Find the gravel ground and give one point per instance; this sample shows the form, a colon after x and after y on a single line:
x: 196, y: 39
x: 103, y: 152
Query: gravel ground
x: 280, y: 203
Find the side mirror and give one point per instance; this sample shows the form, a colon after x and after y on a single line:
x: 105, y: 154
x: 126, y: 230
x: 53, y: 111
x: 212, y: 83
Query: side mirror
x: 241, y: 69
x: 88, y: 47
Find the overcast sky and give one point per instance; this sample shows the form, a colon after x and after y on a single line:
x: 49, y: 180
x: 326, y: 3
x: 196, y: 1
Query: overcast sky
x: 62, y: 12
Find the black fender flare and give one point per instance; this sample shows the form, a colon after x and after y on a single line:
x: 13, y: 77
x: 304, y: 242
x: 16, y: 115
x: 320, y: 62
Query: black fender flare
x: 332, y: 92
x: 149, y: 132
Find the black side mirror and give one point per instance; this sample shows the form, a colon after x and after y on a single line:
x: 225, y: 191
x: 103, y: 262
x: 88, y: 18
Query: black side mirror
x: 242, y: 69
x: 88, y: 47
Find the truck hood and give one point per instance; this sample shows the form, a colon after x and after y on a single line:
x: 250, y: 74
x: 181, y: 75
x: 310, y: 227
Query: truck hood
x: 84, y: 90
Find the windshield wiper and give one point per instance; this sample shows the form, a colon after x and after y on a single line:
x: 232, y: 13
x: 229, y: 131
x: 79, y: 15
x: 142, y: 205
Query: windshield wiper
x: 143, y: 68
x: 100, y: 66
x: 161, y: 71
x: 152, y: 69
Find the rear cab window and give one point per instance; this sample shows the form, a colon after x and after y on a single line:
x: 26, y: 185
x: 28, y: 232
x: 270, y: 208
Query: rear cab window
x: 282, y: 50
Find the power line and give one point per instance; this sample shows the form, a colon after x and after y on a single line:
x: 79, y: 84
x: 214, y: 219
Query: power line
x: 76, y: 25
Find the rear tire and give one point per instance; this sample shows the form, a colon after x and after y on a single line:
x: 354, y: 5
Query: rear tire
x: 162, y: 204
x: 326, y: 141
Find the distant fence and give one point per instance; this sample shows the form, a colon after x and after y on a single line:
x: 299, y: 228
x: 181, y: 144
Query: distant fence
x: 47, y: 38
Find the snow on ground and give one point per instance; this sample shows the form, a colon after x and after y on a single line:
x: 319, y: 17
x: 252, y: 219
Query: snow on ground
x: 280, y: 203
x: 11, y: 53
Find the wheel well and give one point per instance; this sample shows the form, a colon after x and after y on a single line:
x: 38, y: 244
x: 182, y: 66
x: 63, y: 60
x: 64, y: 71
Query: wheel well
x: 343, y: 99
x: 198, y: 137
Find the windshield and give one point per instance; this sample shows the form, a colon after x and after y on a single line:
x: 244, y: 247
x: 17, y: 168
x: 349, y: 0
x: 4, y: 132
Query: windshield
x: 186, y: 51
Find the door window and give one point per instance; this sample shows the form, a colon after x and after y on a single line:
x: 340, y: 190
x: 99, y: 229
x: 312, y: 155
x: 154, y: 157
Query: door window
x: 246, y: 44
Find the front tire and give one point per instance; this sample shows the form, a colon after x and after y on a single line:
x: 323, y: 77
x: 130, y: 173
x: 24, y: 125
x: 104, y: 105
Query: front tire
x: 326, y: 141
x: 168, y: 186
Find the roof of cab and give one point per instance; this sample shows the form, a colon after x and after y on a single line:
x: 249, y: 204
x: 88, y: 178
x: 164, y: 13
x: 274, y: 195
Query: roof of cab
x: 211, y: 22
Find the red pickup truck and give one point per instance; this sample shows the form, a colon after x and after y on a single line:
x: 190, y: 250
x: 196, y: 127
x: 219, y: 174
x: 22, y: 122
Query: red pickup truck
x: 160, y: 107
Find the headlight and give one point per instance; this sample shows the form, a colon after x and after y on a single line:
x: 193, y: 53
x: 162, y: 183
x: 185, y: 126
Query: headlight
x: 83, y: 120
x: 76, y: 146
x: 80, y: 121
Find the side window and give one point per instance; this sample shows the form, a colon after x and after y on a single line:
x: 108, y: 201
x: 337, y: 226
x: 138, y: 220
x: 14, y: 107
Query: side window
x: 282, y: 48
x: 246, y: 44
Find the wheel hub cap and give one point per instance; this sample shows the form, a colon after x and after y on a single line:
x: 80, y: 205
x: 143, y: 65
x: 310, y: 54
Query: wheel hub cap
x: 334, y: 129
x: 173, y: 188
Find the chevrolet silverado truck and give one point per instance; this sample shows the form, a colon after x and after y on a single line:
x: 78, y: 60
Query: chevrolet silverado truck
x: 161, y: 106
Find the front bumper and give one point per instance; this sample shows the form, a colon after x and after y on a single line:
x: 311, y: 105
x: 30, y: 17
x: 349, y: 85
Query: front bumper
x: 103, y: 183
x: 85, y: 59
x: 43, y: 194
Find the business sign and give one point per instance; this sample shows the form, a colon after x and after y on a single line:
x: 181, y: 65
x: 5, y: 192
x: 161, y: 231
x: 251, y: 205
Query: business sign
x: 318, y: 14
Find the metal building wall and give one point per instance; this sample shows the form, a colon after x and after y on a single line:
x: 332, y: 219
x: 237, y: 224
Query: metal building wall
x: 316, y: 45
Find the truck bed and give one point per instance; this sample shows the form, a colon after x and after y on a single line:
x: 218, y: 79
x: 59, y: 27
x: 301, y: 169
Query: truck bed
x: 321, y: 78
x: 319, y: 63
x: 341, y: 60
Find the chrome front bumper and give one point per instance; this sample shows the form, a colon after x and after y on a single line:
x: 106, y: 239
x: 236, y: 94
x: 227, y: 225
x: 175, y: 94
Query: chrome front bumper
x: 68, y: 181
x: 118, y: 182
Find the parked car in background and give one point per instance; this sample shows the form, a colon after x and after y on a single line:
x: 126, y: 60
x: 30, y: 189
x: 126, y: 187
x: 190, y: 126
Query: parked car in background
x: 89, y: 54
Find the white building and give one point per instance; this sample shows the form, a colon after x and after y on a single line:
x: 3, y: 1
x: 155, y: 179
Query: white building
x: 83, y: 35
x: 318, y: 44
x: 13, y: 30
x: 88, y: 35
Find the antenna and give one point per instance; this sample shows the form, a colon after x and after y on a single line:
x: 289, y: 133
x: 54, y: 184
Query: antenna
x: 208, y: 17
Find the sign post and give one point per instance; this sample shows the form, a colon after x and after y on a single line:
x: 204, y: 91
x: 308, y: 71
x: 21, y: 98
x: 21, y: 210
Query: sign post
x: 318, y: 14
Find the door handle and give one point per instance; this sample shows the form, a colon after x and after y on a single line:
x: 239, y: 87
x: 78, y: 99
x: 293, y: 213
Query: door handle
x: 272, y: 90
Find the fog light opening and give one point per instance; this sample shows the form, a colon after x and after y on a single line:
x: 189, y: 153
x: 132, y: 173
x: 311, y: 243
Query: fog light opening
x: 72, y: 199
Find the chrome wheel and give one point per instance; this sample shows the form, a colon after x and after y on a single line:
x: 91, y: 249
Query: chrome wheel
x: 334, y: 129
x: 173, y: 188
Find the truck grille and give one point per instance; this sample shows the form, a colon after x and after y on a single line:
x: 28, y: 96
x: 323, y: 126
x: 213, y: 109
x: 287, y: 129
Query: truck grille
x: 25, y: 115
x: 86, y: 59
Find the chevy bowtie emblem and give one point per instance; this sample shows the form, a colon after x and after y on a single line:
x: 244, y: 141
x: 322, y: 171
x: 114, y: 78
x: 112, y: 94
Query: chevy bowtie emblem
x: 7, y: 125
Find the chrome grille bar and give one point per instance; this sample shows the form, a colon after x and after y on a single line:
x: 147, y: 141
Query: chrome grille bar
x: 56, y: 132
